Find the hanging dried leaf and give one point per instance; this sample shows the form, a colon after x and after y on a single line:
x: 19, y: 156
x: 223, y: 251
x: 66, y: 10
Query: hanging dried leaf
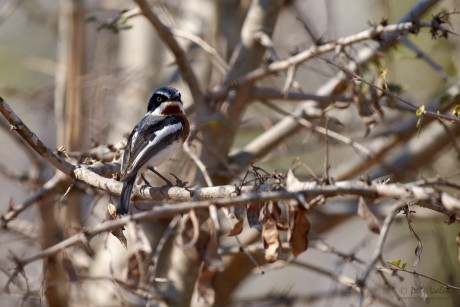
x: 138, y: 250
x: 340, y: 88
x: 237, y: 229
x: 271, y: 237
x: 205, y: 288
x: 369, y: 218
x: 253, y: 214
x: 299, y: 235
x: 117, y: 233
x: 240, y: 213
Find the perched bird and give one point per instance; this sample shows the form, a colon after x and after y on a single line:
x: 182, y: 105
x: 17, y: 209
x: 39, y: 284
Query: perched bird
x: 155, y: 138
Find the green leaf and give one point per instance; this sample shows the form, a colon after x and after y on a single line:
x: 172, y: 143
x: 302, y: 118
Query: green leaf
x: 420, y: 111
x: 404, y: 265
x: 456, y: 111
x: 398, y: 262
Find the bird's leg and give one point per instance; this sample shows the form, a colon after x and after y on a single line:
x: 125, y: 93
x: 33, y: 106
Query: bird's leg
x: 169, y: 183
x: 179, y: 183
x: 146, y: 183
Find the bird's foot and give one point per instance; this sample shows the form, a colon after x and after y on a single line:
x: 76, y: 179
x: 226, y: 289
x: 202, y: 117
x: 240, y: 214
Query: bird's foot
x: 179, y: 183
x: 146, y: 183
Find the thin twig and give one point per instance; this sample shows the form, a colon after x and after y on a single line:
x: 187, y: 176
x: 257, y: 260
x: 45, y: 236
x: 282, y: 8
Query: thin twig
x: 198, y: 163
x: 48, y: 187
x: 394, y: 269
x: 379, y: 248
x: 324, y: 131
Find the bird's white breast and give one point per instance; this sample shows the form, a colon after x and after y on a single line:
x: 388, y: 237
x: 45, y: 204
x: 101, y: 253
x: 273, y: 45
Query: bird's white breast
x: 165, y: 153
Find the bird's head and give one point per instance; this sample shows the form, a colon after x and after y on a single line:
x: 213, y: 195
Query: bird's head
x: 163, y: 98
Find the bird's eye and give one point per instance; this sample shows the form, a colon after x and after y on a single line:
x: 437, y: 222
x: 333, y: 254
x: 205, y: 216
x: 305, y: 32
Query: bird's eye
x: 159, y: 99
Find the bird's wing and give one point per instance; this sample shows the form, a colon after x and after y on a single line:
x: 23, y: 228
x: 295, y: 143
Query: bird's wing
x: 152, y: 134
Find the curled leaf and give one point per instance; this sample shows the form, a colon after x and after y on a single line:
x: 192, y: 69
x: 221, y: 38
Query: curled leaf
x: 271, y: 238
x: 299, y: 236
x: 240, y: 213
x: 237, y: 229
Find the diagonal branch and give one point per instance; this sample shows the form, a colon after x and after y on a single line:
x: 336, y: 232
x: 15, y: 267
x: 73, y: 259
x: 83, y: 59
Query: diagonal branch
x: 168, y: 38
x: 33, y: 141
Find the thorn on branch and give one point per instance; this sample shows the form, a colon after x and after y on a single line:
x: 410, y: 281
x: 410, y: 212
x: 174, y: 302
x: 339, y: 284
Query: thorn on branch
x: 437, y: 29
x: 19, y: 269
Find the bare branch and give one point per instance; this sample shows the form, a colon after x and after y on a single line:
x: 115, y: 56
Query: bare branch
x: 378, y: 251
x: 30, y: 138
x: 288, y: 126
x: 168, y: 38
x: 373, y: 33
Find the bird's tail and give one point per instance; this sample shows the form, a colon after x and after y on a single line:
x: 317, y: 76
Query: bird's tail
x: 123, y: 205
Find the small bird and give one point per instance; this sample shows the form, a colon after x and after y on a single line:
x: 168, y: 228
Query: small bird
x: 155, y: 138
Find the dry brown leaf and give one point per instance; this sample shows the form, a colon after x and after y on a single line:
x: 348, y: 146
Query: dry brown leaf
x: 369, y: 218
x: 271, y: 237
x: 237, y: 229
x: 205, y: 287
x: 117, y: 233
x: 340, y: 88
x: 299, y: 235
x: 240, y: 213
